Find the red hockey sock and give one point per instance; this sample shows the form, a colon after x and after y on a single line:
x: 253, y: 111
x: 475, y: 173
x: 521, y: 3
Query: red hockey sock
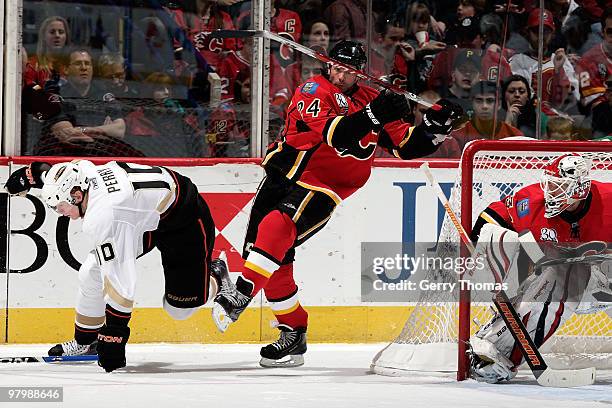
x: 275, y: 236
x: 281, y: 292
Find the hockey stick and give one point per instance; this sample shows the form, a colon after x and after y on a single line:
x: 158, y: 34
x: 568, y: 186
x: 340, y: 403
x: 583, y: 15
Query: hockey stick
x: 50, y: 359
x: 545, y: 376
x: 323, y: 58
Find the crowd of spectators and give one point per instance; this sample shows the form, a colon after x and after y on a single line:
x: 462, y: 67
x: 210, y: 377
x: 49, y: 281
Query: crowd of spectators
x: 179, y: 91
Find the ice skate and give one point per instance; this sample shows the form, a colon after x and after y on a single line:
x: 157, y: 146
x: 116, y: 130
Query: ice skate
x: 230, y: 303
x: 72, y: 348
x: 287, y: 351
x: 218, y: 270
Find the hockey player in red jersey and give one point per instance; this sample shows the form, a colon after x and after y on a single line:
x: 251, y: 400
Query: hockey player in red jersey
x: 333, y: 126
x: 566, y: 213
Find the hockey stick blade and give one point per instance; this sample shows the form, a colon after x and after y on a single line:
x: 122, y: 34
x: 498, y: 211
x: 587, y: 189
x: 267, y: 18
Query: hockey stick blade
x: 323, y: 58
x: 566, y: 378
x: 544, y: 375
x: 50, y: 359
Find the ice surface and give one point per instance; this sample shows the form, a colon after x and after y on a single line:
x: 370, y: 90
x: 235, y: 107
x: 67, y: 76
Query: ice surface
x: 214, y: 375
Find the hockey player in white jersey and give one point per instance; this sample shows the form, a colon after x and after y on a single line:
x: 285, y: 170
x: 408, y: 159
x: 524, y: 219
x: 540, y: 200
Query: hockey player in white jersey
x: 128, y: 209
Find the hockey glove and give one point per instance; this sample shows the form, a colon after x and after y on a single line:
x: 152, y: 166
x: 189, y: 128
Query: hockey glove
x: 387, y: 107
x: 439, y: 123
x: 22, y: 180
x: 111, y: 347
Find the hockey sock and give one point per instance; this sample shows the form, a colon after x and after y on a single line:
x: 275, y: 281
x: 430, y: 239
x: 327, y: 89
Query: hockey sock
x: 275, y: 236
x: 115, y: 317
x: 281, y: 292
x: 84, y: 335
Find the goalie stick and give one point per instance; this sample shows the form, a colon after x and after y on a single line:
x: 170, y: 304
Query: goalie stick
x: 545, y: 376
x: 323, y: 58
x: 49, y: 359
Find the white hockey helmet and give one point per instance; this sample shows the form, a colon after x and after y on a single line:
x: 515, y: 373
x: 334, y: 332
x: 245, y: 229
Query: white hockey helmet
x: 61, y: 179
x: 566, y: 180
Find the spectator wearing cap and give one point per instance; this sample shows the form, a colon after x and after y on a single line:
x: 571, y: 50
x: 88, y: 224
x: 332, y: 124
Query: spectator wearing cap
x: 558, y: 74
x: 485, y: 122
x: 469, y: 40
x: 465, y: 74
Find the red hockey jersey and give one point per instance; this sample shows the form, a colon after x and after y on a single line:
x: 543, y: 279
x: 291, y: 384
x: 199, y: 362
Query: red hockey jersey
x: 593, y: 70
x: 525, y: 210
x: 307, y: 157
x: 198, y: 32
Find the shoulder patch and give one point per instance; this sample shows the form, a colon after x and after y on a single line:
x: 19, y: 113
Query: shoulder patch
x: 522, y: 207
x: 310, y: 87
x: 342, y: 103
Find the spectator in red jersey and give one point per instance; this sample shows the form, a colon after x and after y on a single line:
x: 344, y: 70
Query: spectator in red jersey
x: 198, y: 18
x: 558, y: 74
x: 51, y: 52
x: 596, y: 64
x: 518, y: 105
x: 284, y: 69
x: 483, y: 124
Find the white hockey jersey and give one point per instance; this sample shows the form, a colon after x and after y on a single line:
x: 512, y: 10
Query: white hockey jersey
x: 125, y: 200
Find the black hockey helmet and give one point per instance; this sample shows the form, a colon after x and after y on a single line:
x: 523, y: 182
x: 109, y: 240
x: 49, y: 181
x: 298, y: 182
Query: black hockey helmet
x: 349, y: 53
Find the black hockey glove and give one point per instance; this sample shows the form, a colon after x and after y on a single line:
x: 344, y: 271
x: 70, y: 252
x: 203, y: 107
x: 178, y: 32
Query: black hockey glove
x: 387, y: 107
x: 440, y: 122
x: 22, y: 180
x: 111, y: 347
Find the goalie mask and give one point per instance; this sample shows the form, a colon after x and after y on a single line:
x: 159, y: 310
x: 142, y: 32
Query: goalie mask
x: 565, y: 181
x: 60, y: 181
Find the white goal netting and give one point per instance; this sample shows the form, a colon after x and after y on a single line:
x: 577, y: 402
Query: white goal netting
x: 430, y: 338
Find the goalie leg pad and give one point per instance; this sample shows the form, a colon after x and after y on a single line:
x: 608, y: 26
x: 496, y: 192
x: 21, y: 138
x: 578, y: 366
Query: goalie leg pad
x: 487, y: 364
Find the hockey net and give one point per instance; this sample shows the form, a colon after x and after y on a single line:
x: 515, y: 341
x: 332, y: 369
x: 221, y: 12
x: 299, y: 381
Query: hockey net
x: 434, y: 337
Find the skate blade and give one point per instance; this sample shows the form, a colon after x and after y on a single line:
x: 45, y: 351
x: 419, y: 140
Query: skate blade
x: 289, y: 361
x: 221, y: 319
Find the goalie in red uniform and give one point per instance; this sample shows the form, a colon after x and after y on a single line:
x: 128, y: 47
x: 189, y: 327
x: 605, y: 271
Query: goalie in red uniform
x: 569, y: 216
x: 333, y: 126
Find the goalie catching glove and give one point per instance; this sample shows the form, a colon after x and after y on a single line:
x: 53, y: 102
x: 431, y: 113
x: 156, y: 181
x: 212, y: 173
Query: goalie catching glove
x: 21, y: 181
